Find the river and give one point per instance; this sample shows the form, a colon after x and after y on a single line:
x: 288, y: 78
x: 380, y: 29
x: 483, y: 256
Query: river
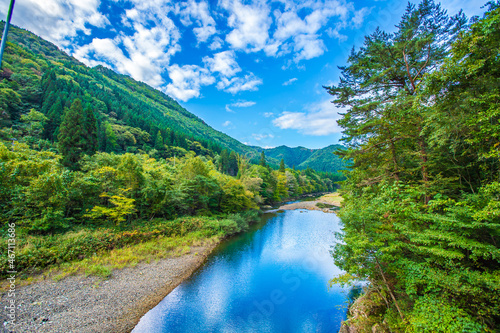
x: 273, y: 278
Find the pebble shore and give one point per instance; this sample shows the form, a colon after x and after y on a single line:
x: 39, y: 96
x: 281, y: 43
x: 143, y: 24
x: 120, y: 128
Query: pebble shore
x: 79, y: 304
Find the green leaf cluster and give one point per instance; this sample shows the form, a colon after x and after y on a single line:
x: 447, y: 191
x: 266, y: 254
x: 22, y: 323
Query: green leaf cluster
x: 421, y: 199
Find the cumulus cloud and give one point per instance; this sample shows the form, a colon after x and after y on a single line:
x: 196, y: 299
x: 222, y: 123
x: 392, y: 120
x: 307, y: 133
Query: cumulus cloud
x: 55, y: 20
x: 302, y: 35
x: 223, y: 63
x: 187, y: 81
x: 319, y: 119
x: 227, y: 123
x: 216, y: 44
x: 145, y: 52
x: 243, y: 104
x: 197, y: 13
x: 268, y: 114
x: 289, y: 82
x: 249, y: 82
x: 249, y: 23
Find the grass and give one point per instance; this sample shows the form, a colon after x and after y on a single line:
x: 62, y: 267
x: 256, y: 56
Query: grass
x: 332, y: 198
x: 323, y: 205
x: 103, y: 264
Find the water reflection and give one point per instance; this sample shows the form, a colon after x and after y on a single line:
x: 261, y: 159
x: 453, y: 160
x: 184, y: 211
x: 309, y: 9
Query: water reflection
x: 272, y: 279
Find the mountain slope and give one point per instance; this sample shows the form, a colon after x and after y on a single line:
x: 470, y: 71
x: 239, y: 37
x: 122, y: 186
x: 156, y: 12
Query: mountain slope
x: 131, y: 115
x: 302, y: 158
x: 117, y: 98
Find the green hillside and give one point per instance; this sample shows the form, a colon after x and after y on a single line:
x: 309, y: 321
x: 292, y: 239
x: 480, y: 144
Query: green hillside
x: 131, y: 116
x: 302, y: 158
x: 51, y: 80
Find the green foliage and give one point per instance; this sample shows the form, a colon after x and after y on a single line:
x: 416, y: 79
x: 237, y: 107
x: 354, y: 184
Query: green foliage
x: 71, y: 135
x: 123, y: 207
x: 282, y: 165
x: 263, y: 159
x: 73, y: 138
x: 436, y: 315
x: 421, y: 214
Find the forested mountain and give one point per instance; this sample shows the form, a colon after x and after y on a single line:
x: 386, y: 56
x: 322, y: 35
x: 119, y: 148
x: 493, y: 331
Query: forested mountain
x: 302, y: 158
x: 421, y: 215
x: 48, y: 80
x: 131, y: 116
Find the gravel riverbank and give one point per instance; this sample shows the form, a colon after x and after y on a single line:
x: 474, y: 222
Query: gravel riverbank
x: 82, y: 304
x: 325, y: 202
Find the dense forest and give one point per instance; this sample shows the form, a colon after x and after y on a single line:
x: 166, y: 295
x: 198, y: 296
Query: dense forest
x: 421, y: 216
x: 84, y: 150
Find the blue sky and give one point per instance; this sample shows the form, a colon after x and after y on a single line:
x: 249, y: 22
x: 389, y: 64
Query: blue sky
x: 251, y: 69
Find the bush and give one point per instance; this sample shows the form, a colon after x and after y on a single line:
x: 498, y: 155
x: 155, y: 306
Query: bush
x: 432, y: 314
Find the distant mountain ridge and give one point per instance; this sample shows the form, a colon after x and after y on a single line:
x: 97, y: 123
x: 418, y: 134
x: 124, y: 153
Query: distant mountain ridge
x: 302, y: 158
x: 135, y: 111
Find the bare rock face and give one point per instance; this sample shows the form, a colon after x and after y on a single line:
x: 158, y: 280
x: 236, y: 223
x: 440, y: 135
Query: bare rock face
x: 363, y: 315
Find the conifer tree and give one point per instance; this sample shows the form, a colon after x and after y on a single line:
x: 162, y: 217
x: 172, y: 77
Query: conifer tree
x: 282, y: 166
x: 90, y: 132
x: 72, y: 135
x: 232, y: 168
x: 54, y: 116
x: 159, y: 141
x: 263, y: 159
x: 110, y: 138
x: 224, y: 161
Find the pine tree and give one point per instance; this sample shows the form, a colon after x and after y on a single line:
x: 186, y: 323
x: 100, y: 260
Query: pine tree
x: 159, y: 141
x: 54, y: 114
x: 90, y: 132
x: 72, y: 135
x: 110, y: 138
x: 224, y: 161
x: 232, y: 168
x: 282, y: 166
x: 263, y: 159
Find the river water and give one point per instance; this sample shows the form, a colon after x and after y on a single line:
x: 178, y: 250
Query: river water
x: 271, y: 279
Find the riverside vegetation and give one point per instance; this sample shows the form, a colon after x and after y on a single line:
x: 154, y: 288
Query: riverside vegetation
x: 92, y: 162
x: 421, y: 211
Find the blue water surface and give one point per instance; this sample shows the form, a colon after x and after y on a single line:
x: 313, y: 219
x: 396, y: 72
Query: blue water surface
x: 271, y: 279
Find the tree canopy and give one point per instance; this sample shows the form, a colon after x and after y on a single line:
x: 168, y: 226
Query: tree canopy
x: 420, y: 220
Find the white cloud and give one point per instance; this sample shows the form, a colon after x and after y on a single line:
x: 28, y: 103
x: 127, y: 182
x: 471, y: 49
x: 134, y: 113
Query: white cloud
x: 200, y: 13
x: 187, y: 81
x: 262, y: 136
x: 216, y: 43
x: 319, y: 119
x: 227, y: 123
x: 236, y: 84
x: 143, y: 54
x: 289, y: 82
x: 239, y: 104
x: 268, y: 114
x: 55, y: 20
x: 302, y: 36
x: 250, y: 24
x: 243, y: 104
x: 223, y: 63
x: 359, y: 16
